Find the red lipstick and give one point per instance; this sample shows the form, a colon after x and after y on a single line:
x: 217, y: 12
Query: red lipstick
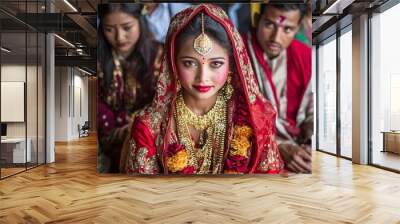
x: 202, y: 89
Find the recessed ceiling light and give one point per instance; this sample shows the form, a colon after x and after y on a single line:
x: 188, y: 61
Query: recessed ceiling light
x: 64, y: 40
x: 84, y: 71
x: 5, y: 50
x: 70, y: 5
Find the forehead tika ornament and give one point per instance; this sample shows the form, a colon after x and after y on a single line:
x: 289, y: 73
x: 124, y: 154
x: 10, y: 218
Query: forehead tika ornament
x: 202, y: 44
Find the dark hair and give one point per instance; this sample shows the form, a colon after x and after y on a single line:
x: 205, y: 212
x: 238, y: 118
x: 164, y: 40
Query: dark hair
x: 212, y: 28
x: 138, y: 63
x: 302, y: 7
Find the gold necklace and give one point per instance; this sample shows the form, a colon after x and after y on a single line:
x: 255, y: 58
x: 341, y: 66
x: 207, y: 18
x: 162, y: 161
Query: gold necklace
x: 212, y: 151
x: 201, y: 122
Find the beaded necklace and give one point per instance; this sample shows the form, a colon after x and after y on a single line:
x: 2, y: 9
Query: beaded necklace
x: 214, y: 123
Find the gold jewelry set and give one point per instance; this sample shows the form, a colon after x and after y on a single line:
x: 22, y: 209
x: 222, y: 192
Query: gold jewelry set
x: 214, y: 124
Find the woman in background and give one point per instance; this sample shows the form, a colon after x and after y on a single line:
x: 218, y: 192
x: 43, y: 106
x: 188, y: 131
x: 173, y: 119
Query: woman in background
x: 127, y: 68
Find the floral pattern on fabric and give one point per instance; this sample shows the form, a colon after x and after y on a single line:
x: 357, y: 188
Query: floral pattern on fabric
x: 139, y: 161
x: 240, y: 146
x: 177, y: 157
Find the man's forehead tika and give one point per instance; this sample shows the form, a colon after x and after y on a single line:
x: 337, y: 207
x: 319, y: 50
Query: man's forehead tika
x: 281, y: 20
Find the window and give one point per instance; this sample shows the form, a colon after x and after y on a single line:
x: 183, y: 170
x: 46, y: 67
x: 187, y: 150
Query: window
x: 22, y: 67
x: 385, y: 86
x: 346, y: 95
x: 327, y: 96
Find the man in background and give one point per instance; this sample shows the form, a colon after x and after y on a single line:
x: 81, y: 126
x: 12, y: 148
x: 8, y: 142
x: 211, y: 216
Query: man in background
x: 158, y: 16
x: 283, y: 69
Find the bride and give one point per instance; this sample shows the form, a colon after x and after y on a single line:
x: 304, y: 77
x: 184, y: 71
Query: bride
x: 208, y: 116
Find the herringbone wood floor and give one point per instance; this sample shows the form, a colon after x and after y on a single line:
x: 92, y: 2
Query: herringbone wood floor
x: 70, y: 191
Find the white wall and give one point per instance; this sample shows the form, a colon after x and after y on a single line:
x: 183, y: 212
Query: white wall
x: 80, y: 102
x: 71, y: 93
x: 16, y: 73
x: 33, y: 127
x: 61, y: 103
x: 10, y: 73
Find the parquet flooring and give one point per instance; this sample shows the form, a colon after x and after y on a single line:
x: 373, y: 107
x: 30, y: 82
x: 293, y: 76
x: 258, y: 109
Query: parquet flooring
x: 70, y: 191
x: 9, y: 171
x: 388, y: 159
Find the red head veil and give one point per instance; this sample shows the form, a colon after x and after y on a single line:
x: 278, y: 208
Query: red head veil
x: 247, y: 104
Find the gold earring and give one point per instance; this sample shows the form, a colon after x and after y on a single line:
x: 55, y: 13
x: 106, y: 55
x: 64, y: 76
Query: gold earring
x: 178, y: 86
x: 228, y: 88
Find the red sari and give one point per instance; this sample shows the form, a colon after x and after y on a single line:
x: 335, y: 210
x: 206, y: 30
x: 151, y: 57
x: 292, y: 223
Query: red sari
x: 154, y: 140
